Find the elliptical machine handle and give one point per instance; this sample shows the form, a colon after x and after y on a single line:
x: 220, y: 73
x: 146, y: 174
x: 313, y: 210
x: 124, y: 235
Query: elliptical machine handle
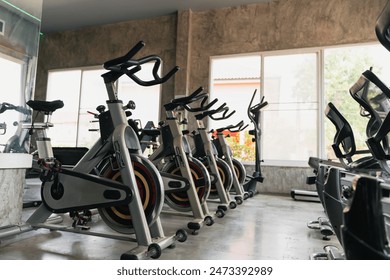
x: 255, y: 108
x: 259, y: 106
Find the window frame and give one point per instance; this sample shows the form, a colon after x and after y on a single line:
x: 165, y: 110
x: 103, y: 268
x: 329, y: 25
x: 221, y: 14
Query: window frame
x: 320, y: 53
x: 82, y: 70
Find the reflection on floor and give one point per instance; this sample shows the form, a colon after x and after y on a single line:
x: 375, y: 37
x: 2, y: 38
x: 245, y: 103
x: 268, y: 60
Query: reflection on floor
x: 266, y: 227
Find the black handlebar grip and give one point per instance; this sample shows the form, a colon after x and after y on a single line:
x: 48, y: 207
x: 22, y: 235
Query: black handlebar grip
x: 232, y: 128
x: 170, y: 74
x: 113, y: 64
x: 224, y: 116
x: 156, y: 67
x: 186, y: 99
x: 258, y: 107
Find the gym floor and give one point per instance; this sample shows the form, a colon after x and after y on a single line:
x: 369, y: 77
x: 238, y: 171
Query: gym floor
x: 265, y: 227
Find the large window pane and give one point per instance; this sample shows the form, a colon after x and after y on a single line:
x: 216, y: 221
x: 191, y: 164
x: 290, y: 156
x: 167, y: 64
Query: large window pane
x: 234, y: 79
x: 290, y: 120
x: 146, y: 99
x: 82, y: 90
x: 11, y: 75
x: 64, y: 85
x: 93, y: 94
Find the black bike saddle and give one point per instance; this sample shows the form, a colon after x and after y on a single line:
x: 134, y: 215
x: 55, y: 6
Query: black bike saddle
x: 45, y: 106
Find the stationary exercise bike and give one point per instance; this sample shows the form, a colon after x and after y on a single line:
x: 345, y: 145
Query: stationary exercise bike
x: 226, y: 154
x: 204, y: 150
x: 174, y: 156
x: 254, y: 114
x: 113, y: 177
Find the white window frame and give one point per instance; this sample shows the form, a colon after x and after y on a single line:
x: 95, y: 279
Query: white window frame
x: 320, y: 51
x: 82, y: 70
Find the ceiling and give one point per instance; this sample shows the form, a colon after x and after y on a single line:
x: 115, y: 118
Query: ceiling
x: 60, y: 15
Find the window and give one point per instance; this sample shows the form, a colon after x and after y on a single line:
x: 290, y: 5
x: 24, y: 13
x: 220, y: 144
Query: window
x: 64, y: 85
x: 297, y: 84
x: 11, y: 89
x: 82, y: 90
x: 290, y: 120
x: 234, y: 80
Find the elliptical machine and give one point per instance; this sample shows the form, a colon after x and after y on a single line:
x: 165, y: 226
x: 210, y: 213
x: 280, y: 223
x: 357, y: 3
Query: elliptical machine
x: 254, y: 114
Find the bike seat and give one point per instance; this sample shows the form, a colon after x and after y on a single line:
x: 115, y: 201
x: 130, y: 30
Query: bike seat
x: 45, y: 106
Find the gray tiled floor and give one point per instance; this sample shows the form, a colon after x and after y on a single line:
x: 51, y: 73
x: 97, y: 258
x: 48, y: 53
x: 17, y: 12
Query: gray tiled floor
x: 266, y: 227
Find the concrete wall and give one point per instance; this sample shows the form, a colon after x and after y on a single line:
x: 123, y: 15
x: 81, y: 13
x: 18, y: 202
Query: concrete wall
x: 282, y: 179
x: 93, y: 46
x: 278, y: 25
x: 189, y: 39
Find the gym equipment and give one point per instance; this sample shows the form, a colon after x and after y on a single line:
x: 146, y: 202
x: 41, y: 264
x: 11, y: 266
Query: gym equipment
x: 363, y: 227
x: 112, y: 176
x: 174, y: 156
x: 345, y: 150
x: 365, y: 231
x: 377, y: 108
x: 344, y: 145
x: 357, y: 203
x: 334, y: 183
x: 333, y: 191
x: 254, y: 114
x: 226, y: 154
x: 320, y: 169
x: 171, y: 182
x: 20, y: 141
x: 204, y: 150
x: 382, y: 26
x: 308, y: 195
x: 366, y: 227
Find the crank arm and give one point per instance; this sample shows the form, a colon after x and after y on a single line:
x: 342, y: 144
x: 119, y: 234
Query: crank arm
x: 174, y: 183
x: 74, y: 191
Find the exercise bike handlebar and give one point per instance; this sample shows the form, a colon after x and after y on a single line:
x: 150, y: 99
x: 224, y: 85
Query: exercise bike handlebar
x: 7, y: 106
x: 129, y: 66
x: 210, y: 113
x: 187, y: 100
x: 115, y: 64
x: 156, y: 78
x: 234, y: 128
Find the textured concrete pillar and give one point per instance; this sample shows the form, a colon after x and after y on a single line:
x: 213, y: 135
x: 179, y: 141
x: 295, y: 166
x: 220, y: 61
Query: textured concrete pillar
x: 11, y: 196
x: 12, y: 180
x: 183, y: 52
